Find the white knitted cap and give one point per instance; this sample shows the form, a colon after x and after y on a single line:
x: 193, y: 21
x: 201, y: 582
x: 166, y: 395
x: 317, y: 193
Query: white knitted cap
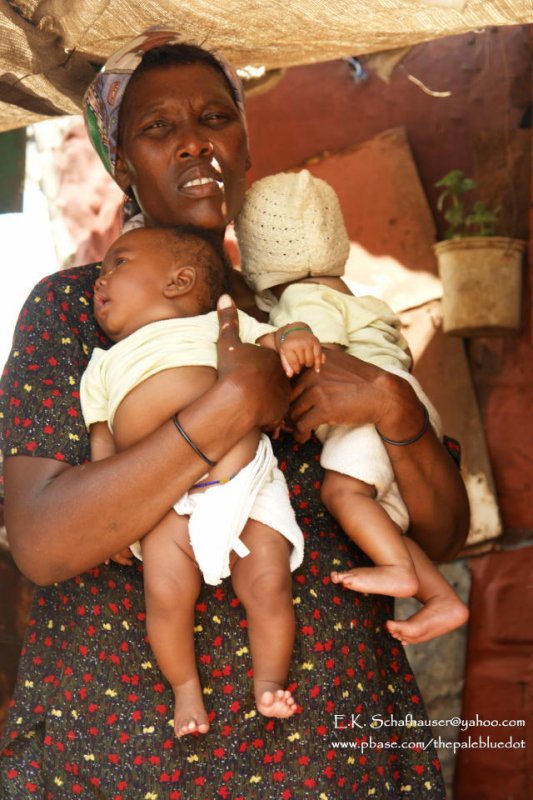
x: 290, y: 227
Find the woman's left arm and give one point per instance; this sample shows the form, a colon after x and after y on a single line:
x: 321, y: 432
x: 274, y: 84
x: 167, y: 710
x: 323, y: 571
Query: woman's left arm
x: 348, y: 391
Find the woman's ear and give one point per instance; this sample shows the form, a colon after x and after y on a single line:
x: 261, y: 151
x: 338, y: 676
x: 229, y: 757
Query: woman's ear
x: 121, y: 175
x: 181, y: 281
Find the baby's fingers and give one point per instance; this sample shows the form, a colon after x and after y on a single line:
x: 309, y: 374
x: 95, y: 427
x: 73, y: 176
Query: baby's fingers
x: 287, y: 363
x: 312, y: 356
x: 125, y: 557
x: 317, y: 356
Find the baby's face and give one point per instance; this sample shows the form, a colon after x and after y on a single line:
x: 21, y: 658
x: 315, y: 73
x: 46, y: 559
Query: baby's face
x: 129, y: 290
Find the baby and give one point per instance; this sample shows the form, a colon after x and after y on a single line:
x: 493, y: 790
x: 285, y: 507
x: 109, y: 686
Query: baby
x: 155, y: 298
x: 294, y: 247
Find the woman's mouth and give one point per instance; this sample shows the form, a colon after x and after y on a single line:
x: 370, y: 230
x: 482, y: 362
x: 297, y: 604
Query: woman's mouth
x: 202, y: 180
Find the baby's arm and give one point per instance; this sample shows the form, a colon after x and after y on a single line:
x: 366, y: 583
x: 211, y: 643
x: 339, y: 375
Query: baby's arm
x: 102, y: 442
x: 103, y: 446
x: 297, y: 347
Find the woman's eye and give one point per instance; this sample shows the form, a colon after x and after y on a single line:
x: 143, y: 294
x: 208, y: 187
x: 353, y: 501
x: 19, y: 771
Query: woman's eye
x: 157, y: 125
x: 217, y: 116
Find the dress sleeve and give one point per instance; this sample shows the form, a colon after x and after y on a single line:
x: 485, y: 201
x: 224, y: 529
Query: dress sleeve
x: 40, y: 412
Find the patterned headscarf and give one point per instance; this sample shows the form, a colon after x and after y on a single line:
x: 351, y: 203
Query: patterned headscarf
x: 103, y: 98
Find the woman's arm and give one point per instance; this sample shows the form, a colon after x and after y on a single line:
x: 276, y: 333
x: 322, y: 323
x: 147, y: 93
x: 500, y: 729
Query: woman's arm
x: 103, y: 446
x: 62, y: 519
x: 352, y: 392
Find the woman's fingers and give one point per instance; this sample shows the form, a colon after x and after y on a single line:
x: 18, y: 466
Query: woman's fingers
x: 228, y: 320
x: 345, y: 391
x: 304, y: 415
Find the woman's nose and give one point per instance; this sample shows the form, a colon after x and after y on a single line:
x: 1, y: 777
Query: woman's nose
x: 193, y: 144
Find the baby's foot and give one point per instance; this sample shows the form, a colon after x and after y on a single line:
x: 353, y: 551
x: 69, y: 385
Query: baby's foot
x: 395, y: 581
x: 441, y: 614
x: 274, y: 701
x: 190, y: 715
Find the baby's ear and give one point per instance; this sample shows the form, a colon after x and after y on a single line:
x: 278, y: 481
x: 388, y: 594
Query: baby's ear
x: 180, y: 282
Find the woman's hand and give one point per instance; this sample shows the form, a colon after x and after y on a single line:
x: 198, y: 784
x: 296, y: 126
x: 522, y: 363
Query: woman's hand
x: 346, y: 391
x: 254, y: 372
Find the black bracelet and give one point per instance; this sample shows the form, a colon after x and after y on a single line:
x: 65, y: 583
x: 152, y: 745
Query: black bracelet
x: 413, y: 439
x: 190, y: 442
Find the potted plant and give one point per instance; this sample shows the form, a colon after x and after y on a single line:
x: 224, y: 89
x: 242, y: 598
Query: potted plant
x: 481, y: 272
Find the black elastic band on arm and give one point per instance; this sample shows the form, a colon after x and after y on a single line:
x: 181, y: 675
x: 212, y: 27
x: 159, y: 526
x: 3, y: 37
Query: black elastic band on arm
x: 413, y: 439
x: 190, y: 442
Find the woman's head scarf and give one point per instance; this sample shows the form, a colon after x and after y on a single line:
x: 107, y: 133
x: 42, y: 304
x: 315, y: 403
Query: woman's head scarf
x: 103, y: 98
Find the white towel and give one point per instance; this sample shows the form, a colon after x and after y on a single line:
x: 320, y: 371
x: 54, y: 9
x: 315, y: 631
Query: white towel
x: 360, y: 453
x: 217, y: 516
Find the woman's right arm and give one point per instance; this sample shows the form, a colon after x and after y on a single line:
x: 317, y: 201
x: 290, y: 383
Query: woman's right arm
x: 62, y: 519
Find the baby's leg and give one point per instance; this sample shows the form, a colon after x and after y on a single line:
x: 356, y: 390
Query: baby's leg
x: 262, y: 581
x: 171, y: 584
x: 442, y: 610
x: 352, y: 503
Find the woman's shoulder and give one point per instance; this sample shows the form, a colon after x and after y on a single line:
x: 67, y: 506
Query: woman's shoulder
x: 82, y: 278
x: 58, y: 312
x: 66, y: 294
x: 61, y: 292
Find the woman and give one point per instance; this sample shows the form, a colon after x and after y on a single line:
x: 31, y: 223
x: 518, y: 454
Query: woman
x: 91, y: 713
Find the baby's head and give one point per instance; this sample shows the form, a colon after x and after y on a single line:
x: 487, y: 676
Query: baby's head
x: 290, y: 227
x: 150, y: 274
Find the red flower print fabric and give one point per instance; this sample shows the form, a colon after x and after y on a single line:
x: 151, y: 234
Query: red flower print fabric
x: 91, y: 715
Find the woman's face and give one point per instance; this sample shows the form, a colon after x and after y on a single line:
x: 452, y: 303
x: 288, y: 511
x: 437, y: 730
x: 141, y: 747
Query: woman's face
x: 183, y: 148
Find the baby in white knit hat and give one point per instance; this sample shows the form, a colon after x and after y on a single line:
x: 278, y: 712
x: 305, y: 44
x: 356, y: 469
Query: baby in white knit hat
x: 294, y: 247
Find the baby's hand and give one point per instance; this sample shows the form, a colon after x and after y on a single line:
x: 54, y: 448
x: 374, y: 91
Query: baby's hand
x: 125, y: 558
x: 298, y: 347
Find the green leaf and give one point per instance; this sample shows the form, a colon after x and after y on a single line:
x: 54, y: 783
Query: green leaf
x: 483, y: 219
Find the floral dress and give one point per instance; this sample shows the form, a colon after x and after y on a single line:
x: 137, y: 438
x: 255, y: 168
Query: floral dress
x: 91, y: 716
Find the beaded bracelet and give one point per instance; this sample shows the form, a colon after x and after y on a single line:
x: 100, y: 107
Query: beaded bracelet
x: 284, y: 335
x: 190, y: 442
x: 413, y: 439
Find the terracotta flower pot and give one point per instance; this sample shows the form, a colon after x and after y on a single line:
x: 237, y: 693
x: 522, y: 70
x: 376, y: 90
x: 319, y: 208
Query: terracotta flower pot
x: 482, y: 284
